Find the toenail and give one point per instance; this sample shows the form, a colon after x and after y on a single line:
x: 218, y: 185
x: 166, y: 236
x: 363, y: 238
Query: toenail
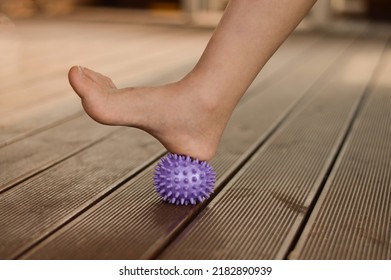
x: 81, y: 69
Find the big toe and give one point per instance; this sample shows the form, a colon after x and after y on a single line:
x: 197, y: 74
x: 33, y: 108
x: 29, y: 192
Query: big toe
x: 81, y: 83
x: 94, y: 97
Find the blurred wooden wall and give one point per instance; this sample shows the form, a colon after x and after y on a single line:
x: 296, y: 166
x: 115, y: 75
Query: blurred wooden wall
x: 141, y: 4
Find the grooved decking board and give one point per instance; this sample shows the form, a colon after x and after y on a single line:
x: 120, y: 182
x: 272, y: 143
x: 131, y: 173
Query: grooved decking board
x: 37, y: 206
x: 257, y: 214
x: 352, y: 219
x: 133, y: 222
x: 23, y: 159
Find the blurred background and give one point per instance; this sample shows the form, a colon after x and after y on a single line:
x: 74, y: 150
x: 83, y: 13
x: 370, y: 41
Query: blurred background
x: 197, y: 12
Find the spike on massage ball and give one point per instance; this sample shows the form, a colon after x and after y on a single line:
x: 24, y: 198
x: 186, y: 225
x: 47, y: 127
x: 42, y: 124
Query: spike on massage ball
x: 182, y: 180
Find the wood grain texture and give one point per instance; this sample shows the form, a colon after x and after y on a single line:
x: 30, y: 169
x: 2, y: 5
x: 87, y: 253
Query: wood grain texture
x: 37, y: 206
x: 31, y: 155
x: 73, y: 189
x: 352, y: 219
x: 142, y: 225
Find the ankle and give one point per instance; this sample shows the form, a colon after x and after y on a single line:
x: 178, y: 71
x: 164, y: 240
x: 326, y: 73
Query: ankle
x: 201, y: 92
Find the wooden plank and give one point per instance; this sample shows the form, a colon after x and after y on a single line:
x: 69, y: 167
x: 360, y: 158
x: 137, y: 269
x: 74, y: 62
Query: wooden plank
x: 352, y: 219
x: 39, y: 205
x: 32, y: 155
x: 257, y: 215
x: 134, y: 218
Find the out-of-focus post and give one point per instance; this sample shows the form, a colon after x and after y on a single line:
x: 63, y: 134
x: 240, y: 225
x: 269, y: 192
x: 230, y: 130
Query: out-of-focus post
x: 204, y: 12
x: 321, y: 13
x: 190, y: 7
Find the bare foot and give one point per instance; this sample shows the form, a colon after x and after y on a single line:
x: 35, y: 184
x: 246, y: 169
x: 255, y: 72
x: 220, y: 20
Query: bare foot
x: 180, y: 115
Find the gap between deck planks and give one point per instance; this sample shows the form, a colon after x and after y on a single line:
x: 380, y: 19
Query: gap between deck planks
x: 352, y: 219
x: 142, y: 206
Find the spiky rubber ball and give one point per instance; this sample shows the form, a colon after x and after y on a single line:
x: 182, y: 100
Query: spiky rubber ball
x: 182, y: 180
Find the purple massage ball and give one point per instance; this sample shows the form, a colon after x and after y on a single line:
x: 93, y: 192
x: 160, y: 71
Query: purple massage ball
x: 182, y: 180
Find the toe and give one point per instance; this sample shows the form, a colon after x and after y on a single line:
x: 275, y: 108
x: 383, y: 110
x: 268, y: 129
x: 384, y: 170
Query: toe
x: 81, y: 83
x: 99, y: 78
x: 94, y: 97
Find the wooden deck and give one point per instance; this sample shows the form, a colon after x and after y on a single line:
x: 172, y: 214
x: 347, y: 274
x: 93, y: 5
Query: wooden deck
x: 303, y: 169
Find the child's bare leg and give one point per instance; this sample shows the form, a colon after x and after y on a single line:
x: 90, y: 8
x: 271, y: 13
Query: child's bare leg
x: 189, y: 116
